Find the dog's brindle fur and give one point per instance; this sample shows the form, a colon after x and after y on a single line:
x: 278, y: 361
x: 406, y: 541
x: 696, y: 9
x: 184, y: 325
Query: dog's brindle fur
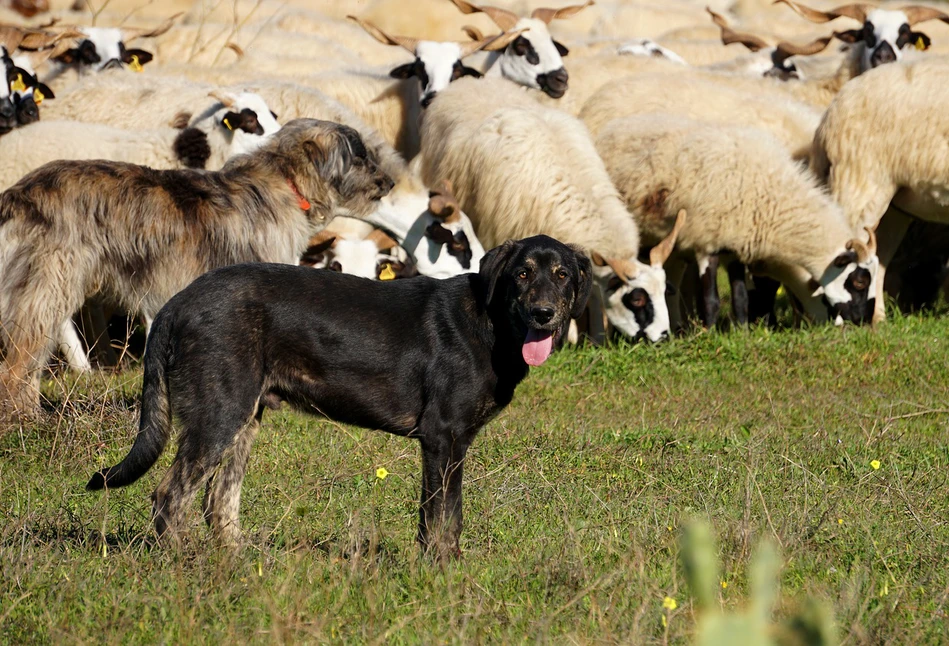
x: 423, y: 358
x: 137, y: 236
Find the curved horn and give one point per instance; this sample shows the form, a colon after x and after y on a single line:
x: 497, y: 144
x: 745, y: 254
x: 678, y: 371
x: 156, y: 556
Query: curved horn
x: 785, y: 49
x: 916, y: 14
x: 558, y: 14
x: 408, y: 44
x: 381, y: 240
x: 473, y: 32
x: 661, y: 252
x: 625, y: 269
x: 131, y: 34
x: 501, y: 17
x: 225, y: 98
x: 443, y: 203
x: 730, y: 36
x: 871, y: 241
x: 856, y: 11
x: 491, y: 43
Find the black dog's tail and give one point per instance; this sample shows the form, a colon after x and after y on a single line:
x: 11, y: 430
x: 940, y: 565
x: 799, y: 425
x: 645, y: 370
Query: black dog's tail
x: 155, y: 426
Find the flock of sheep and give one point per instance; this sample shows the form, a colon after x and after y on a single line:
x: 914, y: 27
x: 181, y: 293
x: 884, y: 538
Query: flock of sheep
x: 657, y: 137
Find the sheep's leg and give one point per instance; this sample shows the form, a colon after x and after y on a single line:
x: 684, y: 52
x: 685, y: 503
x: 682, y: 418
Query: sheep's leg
x: 96, y: 330
x: 675, y: 270
x: 890, y: 232
x: 598, y: 325
x: 736, y: 278
x: 761, y: 300
x: 70, y: 345
x: 710, y: 303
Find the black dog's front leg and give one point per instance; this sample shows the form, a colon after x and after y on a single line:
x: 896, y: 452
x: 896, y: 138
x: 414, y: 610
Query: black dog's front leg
x: 440, y: 515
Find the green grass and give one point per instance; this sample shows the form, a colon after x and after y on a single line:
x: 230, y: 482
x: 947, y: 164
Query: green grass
x: 574, y: 498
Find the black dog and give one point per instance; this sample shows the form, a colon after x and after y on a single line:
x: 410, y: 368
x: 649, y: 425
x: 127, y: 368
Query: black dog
x: 248, y: 336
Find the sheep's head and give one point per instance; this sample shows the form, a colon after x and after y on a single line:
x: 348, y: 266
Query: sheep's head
x: 848, y: 285
x: 246, y: 118
x: 368, y: 257
x: 884, y: 33
x: 635, y: 293
x: 104, y: 48
x: 447, y: 227
x: 780, y: 64
x: 533, y: 58
x: 436, y: 63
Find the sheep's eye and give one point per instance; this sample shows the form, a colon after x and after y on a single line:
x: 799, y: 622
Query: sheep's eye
x: 522, y: 275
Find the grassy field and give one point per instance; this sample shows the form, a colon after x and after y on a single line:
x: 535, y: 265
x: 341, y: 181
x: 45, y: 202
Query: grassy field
x: 832, y: 443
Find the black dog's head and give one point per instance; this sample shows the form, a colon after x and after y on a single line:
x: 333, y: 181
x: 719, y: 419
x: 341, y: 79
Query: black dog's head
x: 535, y: 286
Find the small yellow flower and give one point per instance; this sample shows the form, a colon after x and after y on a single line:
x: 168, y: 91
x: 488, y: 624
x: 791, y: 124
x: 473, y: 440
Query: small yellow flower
x: 840, y: 521
x: 381, y: 473
x: 875, y: 464
x: 724, y: 585
x: 669, y: 603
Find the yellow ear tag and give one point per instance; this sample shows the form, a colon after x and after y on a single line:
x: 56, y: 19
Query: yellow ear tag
x: 227, y: 124
x: 387, y: 273
x: 920, y: 44
x: 37, y: 96
x: 18, y: 85
x: 135, y: 66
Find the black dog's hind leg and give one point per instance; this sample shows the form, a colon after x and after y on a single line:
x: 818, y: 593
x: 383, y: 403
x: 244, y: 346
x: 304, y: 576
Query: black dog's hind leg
x: 222, y: 495
x: 440, y: 515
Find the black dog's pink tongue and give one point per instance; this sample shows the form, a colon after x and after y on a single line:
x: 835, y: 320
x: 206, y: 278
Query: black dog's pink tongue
x: 537, y: 347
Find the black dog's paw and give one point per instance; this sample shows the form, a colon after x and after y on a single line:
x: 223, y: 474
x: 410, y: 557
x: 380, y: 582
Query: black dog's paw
x: 192, y: 148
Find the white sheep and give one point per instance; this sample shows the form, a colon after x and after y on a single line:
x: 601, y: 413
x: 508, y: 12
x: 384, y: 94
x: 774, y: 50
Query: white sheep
x: 352, y: 246
x: 869, y: 154
x: 703, y: 99
x: 744, y: 195
x: 520, y: 169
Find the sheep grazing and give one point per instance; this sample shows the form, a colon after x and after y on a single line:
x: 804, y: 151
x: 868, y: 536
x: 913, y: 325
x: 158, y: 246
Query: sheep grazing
x: 521, y: 169
x: 436, y: 64
x: 744, y: 195
x: 137, y: 236
x: 884, y: 33
x: 534, y: 58
x: 870, y: 158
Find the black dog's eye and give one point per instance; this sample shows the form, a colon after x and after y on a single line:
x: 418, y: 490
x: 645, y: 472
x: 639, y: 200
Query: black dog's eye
x: 562, y: 274
x: 522, y: 275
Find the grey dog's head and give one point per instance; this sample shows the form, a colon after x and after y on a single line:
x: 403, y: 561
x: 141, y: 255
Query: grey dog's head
x: 537, y: 285
x: 330, y: 166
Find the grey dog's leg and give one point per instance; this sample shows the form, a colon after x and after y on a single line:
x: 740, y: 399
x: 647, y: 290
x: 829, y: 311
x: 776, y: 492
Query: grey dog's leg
x: 222, y: 497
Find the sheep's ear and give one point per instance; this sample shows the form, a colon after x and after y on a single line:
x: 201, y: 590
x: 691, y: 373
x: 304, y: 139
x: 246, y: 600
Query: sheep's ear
x: 406, y: 71
x: 919, y: 40
x: 438, y: 233
x: 470, y: 71
x: 131, y: 55
x: 816, y: 288
x: 44, y: 91
x: 584, y: 284
x: 846, y: 258
x: 850, y: 36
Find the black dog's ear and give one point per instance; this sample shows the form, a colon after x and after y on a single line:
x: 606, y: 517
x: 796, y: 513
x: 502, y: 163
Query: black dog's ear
x: 561, y: 48
x: 403, y: 71
x: 584, y: 282
x: 493, y: 265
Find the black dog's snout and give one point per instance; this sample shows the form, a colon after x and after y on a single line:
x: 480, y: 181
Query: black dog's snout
x: 882, y: 55
x: 542, y: 315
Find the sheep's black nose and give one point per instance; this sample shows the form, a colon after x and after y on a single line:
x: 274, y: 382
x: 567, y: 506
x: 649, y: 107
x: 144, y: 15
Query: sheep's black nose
x: 111, y: 63
x: 542, y: 314
x: 882, y: 55
x: 6, y: 109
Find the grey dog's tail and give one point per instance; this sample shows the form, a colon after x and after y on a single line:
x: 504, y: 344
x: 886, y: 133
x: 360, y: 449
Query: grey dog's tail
x: 155, y: 426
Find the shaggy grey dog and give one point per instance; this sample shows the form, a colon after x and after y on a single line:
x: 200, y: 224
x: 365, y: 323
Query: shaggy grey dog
x: 136, y: 236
